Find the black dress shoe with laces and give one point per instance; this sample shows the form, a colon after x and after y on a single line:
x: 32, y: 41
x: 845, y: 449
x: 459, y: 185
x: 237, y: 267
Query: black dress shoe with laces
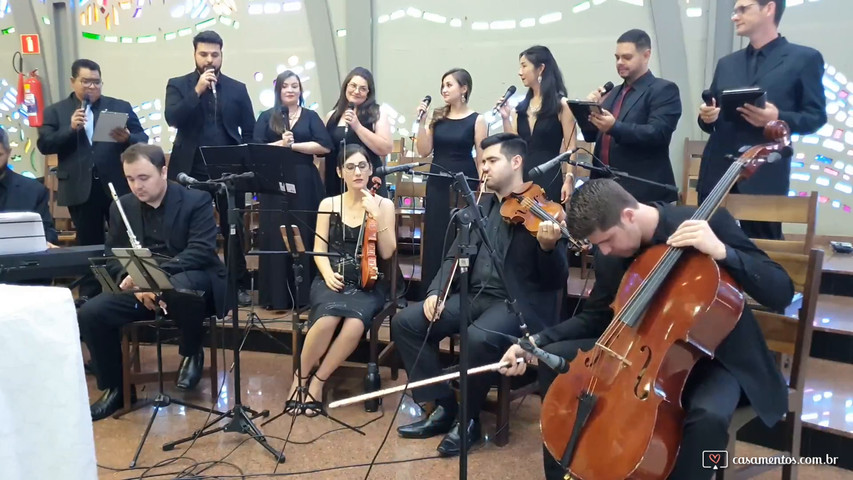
x: 110, y: 402
x: 190, y: 370
x: 438, y: 422
x: 451, y: 444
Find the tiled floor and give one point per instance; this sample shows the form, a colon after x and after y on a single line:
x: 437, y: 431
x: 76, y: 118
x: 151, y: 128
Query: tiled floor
x: 265, y: 382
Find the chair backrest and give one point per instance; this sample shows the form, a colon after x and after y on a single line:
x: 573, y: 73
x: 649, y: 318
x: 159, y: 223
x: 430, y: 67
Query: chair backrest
x: 777, y: 208
x: 692, y: 160
x: 792, y: 336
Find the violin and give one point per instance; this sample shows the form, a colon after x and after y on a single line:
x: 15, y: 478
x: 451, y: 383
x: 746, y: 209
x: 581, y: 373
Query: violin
x: 674, y: 307
x: 530, y: 207
x: 370, y: 235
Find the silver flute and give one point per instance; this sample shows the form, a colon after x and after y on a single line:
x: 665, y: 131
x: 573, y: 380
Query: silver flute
x: 133, y: 241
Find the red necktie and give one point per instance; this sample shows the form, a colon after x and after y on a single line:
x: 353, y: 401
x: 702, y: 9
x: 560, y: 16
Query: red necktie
x: 605, y: 139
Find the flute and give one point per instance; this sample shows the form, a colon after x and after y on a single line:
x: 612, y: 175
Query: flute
x: 133, y: 241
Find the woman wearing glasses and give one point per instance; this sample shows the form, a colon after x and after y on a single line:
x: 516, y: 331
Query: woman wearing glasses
x: 453, y: 134
x: 301, y: 134
x: 336, y: 294
x: 357, y: 120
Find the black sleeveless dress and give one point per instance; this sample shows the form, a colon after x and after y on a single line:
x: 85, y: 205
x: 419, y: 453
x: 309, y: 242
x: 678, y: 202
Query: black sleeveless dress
x: 453, y: 149
x: 352, y: 301
x: 543, y: 144
x: 338, y: 134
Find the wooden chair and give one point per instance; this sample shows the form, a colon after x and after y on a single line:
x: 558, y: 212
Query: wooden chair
x: 132, y: 373
x: 692, y: 160
x: 61, y: 215
x: 790, y: 338
x: 777, y: 208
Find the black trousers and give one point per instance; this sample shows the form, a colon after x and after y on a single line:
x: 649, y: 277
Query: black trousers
x: 90, y: 222
x: 409, y: 327
x: 102, y: 317
x: 243, y: 277
x: 710, y: 398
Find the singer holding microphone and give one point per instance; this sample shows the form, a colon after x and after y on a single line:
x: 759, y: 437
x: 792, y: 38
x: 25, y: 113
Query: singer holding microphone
x: 209, y: 108
x: 85, y: 166
x: 451, y: 136
x: 543, y: 119
x: 357, y: 120
x: 291, y: 126
x: 633, y: 130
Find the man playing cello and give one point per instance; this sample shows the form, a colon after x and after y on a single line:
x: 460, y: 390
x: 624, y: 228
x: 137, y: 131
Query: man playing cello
x: 743, y: 369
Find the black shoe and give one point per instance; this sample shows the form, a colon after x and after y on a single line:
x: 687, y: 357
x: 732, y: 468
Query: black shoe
x: 451, y: 443
x: 438, y: 422
x: 244, y: 299
x: 190, y: 370
x: 110, y: 402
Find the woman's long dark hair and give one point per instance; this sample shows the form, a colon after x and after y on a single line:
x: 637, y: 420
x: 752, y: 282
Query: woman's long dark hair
x: 368, y: 112
x: 463, y: 78
x: 552, y: 88
x: 276, y: 119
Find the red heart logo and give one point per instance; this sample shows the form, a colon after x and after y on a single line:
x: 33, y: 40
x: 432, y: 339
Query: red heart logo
x: 715, y: 457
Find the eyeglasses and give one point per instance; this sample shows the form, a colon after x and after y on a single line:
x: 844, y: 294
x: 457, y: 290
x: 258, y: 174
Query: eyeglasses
x: 350, y: 167
x: 91, y: 82
x: 356, y: 88
x: 738, y: 11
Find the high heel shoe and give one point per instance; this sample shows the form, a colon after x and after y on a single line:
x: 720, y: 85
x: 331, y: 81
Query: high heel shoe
x: 315, y: 407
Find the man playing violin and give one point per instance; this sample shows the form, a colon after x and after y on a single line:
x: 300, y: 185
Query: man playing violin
x: 536, y: 269
x: 743, y: 370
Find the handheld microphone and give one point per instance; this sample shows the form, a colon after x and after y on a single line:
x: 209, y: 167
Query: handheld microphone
x: 212, y: 85
x: 386, y: 170
x: 540, y: 169
x: 607, y: 88
x: 285, y: 115
x: 350, y: 106
x: 86, y: 103
x: 509, y: 92
x: 708, y: 98
x: 427, y: 100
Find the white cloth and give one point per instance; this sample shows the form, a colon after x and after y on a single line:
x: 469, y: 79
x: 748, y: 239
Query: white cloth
x: 45, y: 424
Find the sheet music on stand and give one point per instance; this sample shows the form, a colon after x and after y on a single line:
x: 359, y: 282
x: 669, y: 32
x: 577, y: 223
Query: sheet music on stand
x: 268, y: 162
x: 143, y: 269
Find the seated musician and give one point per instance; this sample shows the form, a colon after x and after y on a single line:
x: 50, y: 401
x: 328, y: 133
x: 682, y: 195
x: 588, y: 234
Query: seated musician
x: 536, y: 270
x: 743, y: 370
x: 336, y: 294
x: 21, y: 194
x: 171, y: 221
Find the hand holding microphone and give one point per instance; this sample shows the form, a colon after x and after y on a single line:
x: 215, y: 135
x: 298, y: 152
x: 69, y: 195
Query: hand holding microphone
x: 709, y: 112
x: 350, y: 118
x: 422, y: 108
x: 78, y: 118
x: 599, y: 93
x: 501, y: 107
x: 206, y: 81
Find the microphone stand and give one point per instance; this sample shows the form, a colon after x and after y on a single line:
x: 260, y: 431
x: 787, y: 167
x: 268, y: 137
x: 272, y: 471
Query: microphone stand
x: 609, y: 172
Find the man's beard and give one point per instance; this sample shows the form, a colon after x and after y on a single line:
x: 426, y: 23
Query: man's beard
x: 201, y: 70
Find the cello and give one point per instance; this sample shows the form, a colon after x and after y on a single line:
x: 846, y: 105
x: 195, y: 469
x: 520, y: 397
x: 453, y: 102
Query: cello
x: 674, y: 307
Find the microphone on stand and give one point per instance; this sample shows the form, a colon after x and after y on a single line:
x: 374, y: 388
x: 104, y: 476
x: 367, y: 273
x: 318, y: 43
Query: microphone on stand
x: 350, y: 106
x: 540, y: 169
x: 385, y: 170
x: 187, y: 180
x: 509, y: 92
x: 427, y: 99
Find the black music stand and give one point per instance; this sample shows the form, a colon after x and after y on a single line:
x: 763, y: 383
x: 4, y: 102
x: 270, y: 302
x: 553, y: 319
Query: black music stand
x: 149, y: 277
x: 231, y: 163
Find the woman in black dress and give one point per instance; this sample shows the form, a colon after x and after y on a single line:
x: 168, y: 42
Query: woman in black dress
x: 290, y: 126
x: 544, y: 119
x: 336, y: 295
x: 358, y: 120
x: 453, y: 134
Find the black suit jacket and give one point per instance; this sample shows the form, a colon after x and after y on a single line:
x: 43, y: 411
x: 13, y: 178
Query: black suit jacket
x: 744, y: 352
x: 77, y: 157
x: 184, y: 112
x: 534, y: 277
x: 192, y: 235
x: 27, y: 195
x: 639, y: 143
x: 792, y: 77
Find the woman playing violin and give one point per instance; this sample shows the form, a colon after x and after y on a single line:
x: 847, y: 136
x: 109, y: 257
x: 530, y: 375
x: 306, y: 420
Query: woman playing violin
x: 336, y: 294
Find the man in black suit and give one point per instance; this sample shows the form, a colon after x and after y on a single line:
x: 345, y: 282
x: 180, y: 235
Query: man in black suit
x: 743, y: 368
x: 209, y: 109
x: 633, y: 131
x: 21, y: 194
x: 86, y: 167
x: 176, y: 224
x: 792, y: 77
x: 536, y: 270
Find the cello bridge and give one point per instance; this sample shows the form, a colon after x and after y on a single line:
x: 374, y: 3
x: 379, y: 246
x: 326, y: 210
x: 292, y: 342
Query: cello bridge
x: 621, y: 358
